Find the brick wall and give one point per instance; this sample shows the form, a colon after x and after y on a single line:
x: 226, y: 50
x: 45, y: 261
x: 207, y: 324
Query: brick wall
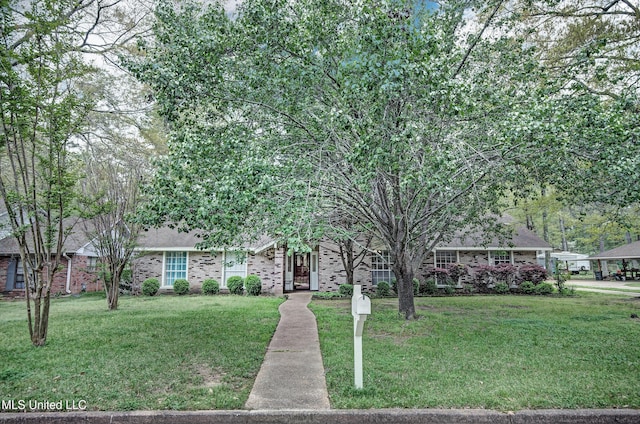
x: 79, y: 276
x: 264, y: 266
x: 205, y: 265
x: 331, y: 269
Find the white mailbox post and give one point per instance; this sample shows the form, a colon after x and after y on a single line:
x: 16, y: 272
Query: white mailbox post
x: 360, y: 309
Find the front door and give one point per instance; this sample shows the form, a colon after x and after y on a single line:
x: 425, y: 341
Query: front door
x: 301, y: 271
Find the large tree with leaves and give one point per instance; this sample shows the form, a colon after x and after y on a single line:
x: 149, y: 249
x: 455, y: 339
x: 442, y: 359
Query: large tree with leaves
x: 396, y: 113
x: 44, y: 108
x: 591, y: 48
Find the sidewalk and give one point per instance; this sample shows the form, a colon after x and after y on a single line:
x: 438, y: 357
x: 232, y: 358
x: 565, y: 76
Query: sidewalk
x: 292, y: 374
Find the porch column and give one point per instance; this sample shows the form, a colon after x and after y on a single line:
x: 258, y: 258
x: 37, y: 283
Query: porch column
x: 278, y: 271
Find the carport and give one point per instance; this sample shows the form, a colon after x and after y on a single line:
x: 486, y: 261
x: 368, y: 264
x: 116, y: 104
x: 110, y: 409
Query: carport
x: 623, y: 261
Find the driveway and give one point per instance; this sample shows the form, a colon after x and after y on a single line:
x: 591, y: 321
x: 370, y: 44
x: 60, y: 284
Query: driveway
x: 606, y: 287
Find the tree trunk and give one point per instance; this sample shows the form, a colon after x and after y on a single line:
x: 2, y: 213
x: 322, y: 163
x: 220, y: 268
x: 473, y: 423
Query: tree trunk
x: 404, y: 278
x: 113, y: 292
x: 346, y: 255
x: 565, y: 245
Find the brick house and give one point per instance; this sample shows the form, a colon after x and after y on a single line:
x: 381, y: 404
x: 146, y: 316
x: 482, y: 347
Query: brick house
x: 78, y: 269
x: 167, y: 254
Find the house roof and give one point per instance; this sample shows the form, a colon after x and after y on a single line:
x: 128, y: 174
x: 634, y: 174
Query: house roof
x: 521, y: 238
x: 75, y: 240
x: 170, y: 239
x: 627, y: 251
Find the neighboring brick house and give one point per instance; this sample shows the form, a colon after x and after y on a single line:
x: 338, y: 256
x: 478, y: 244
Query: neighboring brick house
x: 167, y: 254
x: 78, y: 269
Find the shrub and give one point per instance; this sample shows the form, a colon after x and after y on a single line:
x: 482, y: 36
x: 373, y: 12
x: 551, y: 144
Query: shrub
x: 528, y: 287
x: 428, y: 286
x: 501, y: 288
x: 346, y: 289
x: 150, y: 286
x: 210, y: 286
x: 457, y: 271
x: 505, y: 273
x: 181, y: 286
x: 235, y: 285
x: 416, y: 286
x: 253, y: 285
x: 448, y: 290
x: 483, y: 276
x: 534, y: 273
x: 544, y: 288
x: 383, y: 289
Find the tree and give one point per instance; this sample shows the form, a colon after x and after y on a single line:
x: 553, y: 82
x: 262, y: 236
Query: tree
x: 117, y: 156
x: 44, y: 109
x: 392, y: 112
x: 591, y: 48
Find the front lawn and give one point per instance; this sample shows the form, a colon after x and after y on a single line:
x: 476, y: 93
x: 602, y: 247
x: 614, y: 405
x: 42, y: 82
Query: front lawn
x: 497, y: 352
x: 164, y: 352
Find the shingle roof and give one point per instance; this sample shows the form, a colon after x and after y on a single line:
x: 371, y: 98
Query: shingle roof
x: 521, y: 238
x: 75, y: 240
x: 165, y: 238
x: 627, y: 251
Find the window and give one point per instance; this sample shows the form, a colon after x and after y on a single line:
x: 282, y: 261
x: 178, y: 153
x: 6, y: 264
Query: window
x: 381, y: 267
x: 92, y: 264
x: 18, y: 283
x: 497, y: 257
x: 445, y: 257
x: 235, y: 263
x: 175, y: 267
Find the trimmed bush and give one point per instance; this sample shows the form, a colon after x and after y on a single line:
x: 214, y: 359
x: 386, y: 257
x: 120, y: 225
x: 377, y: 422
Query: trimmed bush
x: 253, y: 285
x: 428, y: 287
x: 346, y: 290
x: 210, y: 286
x: 528, y: 287
x: 501, y: 288
x: 150, y: 286
x: 235, y: 285
x: 383, y: 289
x: 544, y: 288
x: 181, y: 286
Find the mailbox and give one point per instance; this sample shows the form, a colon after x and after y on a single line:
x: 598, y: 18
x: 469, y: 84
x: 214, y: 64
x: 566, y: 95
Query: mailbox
x: 363, y: 305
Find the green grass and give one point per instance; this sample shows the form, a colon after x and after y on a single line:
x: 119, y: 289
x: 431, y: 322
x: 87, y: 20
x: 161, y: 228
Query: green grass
x: 498, y: 352
x: 164, y: 352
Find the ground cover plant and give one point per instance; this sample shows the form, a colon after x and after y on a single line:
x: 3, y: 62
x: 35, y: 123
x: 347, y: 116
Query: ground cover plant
x: 498, y: 352
x: 161, y: 352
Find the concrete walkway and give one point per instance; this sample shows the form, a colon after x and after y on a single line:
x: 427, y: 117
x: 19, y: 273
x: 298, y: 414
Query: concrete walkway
x: 292, y: 374
x: 607, y: 287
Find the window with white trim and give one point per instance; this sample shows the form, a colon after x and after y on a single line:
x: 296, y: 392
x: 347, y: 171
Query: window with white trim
x: 497, y: 257
x: 444, y: 258
x: 381, y: 267
x: 235, y: 263
x: 175, y: 267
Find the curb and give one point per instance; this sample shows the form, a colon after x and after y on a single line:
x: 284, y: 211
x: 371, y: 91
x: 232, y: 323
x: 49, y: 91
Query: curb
x: 391, y: 416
